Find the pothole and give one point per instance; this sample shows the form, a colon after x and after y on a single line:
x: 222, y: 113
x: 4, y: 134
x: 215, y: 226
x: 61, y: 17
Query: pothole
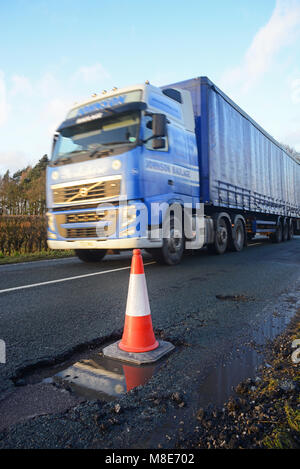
x: 57, y: 388
x: 91, y: 376
x: 99, y: 377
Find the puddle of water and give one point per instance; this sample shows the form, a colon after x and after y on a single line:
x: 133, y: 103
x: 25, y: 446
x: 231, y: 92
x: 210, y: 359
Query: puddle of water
x: 219, y: 384
x: 242, y: 363
x: 99, y: 377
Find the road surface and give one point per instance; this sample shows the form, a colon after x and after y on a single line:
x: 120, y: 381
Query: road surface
x: 209, y: 307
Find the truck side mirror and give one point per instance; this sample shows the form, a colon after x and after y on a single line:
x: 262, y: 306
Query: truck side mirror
x: 159, y: 125
x: 55, y: 138
x: 158, y: 143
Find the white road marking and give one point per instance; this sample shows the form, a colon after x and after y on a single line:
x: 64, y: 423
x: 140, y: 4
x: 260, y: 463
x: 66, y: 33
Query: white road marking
x: 49, y: 282
x: 254, y: 244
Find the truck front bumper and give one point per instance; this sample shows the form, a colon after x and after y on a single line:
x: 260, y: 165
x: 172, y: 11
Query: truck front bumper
x: 127, y: 243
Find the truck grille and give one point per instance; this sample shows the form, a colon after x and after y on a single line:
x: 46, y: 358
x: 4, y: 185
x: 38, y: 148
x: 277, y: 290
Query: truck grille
x: 85, y: 217
x: 103, y: 224
x: 82, y: 233
x: 88, y: 192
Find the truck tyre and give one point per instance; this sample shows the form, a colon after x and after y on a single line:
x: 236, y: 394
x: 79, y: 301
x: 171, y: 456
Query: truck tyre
x: 90, y: 255
x: 238, y: 237
x: 290, y: 231
x: 221, y: 238
x: 172, y: 249
x: 285, y: 231
x: 277, y: 236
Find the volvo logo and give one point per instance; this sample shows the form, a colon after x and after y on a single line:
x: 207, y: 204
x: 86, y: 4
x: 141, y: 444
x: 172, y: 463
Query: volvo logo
x: 83, y: 192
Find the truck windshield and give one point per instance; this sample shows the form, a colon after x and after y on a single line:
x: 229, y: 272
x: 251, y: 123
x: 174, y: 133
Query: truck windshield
x: 95, y: 139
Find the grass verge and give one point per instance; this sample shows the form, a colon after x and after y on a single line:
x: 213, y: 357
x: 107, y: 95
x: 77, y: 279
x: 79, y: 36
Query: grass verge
x: 34, y: 256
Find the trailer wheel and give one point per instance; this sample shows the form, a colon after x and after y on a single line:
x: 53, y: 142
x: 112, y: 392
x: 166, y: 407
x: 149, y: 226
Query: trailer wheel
x: 277, y: 236
x: 238, y: 237
x: 285, y: 231
x: 221, y: 238
x: 90, y: 255
x: 290, y: 230
x: 172, y: 249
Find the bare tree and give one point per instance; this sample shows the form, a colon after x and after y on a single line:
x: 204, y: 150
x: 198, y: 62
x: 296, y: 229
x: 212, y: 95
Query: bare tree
x: 292, y: 151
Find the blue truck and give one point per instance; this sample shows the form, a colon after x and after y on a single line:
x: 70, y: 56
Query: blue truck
x: 127, y: 163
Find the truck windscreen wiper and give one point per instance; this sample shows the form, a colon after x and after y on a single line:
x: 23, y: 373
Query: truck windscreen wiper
x: 62, y: 159
x: 117, y: 143
x: 100, y: 150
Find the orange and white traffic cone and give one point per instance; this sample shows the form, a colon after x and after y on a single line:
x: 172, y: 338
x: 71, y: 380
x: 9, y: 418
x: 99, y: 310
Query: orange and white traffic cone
x: 138, y: 345
x: 138, y: 335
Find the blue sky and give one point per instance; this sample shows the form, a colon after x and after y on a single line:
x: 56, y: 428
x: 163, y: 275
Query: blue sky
x: 56, y: 52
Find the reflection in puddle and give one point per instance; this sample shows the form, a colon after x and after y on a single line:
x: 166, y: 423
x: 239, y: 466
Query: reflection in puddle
x: 102, y: 378
x: 244, y: 362
x: 219, y: 384
x: 137, y: 376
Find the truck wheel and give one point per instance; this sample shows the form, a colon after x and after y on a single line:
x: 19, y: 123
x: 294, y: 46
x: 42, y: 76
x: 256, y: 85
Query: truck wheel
x: 238, y: 237
x: 285, y: 231
x: 290, y: 230
x: 90, y: 255
x: 172, y: 249
x: 277, y: 236
x: 221, y: 238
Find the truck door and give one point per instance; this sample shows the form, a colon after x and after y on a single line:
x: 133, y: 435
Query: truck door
x: 158, y: 176
x: 182, y: 171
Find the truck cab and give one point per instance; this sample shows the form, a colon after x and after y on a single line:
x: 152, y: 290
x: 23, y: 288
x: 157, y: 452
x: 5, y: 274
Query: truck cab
x: 114, y: 157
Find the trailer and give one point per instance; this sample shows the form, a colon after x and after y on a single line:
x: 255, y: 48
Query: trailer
x: 242, y: 168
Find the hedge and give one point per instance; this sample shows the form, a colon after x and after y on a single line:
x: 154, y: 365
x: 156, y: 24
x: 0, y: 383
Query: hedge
x: 22, y: 234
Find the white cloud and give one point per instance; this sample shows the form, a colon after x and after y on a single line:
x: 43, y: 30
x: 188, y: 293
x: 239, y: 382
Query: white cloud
x: 13, y: 160
x: 92, y: 74
x: 55, y: 112
x: 47, y: 86
x: 280, y: 31
x: 292, y: 136
x: 35, y: 107
x: 21, y: 86
x: 3, y: 100
x: 295, y: 91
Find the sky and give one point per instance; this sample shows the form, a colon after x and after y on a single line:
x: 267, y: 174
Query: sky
x: 54, y: 53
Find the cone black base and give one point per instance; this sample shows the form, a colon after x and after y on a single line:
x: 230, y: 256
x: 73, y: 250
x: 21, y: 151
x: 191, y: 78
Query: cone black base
x: 141, y: 358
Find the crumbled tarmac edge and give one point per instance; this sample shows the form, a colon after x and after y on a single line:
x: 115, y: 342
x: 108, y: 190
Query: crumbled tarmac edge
x: 264, y: 412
